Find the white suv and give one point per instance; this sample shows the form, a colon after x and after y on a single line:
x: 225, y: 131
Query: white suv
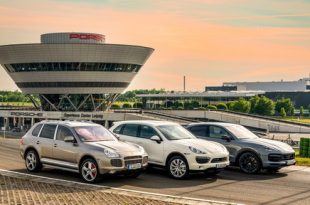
x: 169, y: 144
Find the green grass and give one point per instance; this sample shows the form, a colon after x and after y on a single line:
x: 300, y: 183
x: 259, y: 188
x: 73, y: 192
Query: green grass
x: 305, y: 120
x: 28, y: 104
x: 301, y: 161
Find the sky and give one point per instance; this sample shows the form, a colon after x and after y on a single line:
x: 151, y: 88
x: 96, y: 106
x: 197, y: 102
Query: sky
x: 208, y: 41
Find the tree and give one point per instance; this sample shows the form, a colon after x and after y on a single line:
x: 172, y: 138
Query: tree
x: 127, y: 105
x: 301, y: 111
x: 282, y: 112
x: 1, y: 98
x: 285, y: 103
x: 262, y: 106
x: 309, y: 109
x: 222, y: 106
x: 240, y: 106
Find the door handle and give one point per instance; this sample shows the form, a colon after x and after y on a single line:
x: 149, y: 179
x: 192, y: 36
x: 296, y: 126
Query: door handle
x: 38, y: 142
x: 55, y: 145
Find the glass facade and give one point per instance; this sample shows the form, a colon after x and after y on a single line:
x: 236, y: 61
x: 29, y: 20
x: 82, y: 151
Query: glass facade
x: 74, y: 66
x: 73, y: 84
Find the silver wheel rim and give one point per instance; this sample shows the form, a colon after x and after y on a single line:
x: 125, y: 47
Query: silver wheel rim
x: 89, y: 171
x: 31, y: 161
x: 178, y: 168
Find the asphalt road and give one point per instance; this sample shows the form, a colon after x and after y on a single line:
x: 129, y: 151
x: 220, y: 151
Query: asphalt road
x: 289, y: 186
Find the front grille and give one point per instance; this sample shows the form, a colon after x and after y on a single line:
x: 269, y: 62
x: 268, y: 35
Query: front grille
x: 133, y: 157
x: 216, y: 160
x: 133, y: 161
x: 202, y: 160
x: 280, y: 157
x: 116, y: 162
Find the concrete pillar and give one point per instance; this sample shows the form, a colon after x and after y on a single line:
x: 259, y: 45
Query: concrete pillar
x: 6, y: 123
x: 106, y: 124
x: 19, y: 122
x: 32, y: 121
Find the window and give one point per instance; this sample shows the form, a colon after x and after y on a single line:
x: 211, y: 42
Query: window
x: 217, y: 132
x: 36, y: 130
x: 130, y: 130
x: 62, y: 133
x: 175, y: 132
x: 94, y: 134
x: 147, y: 132
x: 200, y: 130
x: 118, y: 129
x: 48, y: 131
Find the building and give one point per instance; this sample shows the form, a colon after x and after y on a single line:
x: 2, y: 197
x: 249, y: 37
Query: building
x: 271, y: 86
x: 73, y: 71
x: 75, y: 75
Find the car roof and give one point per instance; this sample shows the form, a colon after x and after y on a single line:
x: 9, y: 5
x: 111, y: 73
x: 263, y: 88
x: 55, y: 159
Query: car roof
x: 224, y: 124
x: 69, y: 123
x: 146, y: 122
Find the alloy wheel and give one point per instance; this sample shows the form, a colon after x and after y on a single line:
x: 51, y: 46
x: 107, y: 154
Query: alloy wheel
x: 249, y: 163
x: 89, y: 171
x: 178, y: 168
x: 31, y: 161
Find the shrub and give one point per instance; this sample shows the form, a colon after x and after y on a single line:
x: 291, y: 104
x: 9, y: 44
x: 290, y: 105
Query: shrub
x: 240, y: 106
x: 285, y: 103
x: 211, y: 107
x: 127, y: 105
x: 138, y: 105
x: 262, y: 106
x: 201, y: 108
x: 222, y: 106
x: 282, y: 112
x: 115, y: 106
x: 301, y: 111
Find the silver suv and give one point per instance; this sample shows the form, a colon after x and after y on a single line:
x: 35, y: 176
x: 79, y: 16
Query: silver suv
x: 83, y: 147
x: 246, y: 150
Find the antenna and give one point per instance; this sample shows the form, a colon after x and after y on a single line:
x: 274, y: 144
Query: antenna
x: 184, y: 83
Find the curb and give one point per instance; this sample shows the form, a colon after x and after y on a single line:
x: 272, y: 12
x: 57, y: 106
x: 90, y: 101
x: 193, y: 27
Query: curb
x: 113, y: 190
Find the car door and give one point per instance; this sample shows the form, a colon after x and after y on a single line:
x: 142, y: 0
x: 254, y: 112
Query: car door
x: 200, y: 131
x: 215, y: 133
x: 129, y: 133
x: 45, y: 141
x: 154, y: 149
x: 65, y: 151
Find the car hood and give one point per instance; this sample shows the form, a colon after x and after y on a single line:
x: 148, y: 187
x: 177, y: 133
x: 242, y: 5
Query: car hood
x: 203, y: 145
x: 280, y: 146
x: 118, y: 146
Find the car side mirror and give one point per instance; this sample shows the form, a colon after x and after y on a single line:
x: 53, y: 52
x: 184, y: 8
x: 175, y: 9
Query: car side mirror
x: 156, y: 139
x: 226, y: 138
x: 69, y: 139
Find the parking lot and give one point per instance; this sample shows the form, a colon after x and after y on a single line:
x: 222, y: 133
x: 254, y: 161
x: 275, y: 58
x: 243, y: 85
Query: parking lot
x: 290, y: 185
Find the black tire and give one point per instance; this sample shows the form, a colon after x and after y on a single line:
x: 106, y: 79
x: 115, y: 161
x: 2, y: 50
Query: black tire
x: 249, y: 163
x: 177, y: 167
x: 133, y: 174
x: 89, y: 171
x: 32, y: 161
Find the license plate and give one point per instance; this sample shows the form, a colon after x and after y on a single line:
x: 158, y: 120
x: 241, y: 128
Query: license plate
x: 220, y: 165
x: 134, y: 166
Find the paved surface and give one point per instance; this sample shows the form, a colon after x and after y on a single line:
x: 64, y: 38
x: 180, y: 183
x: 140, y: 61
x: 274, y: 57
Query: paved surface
x: 290, y: 186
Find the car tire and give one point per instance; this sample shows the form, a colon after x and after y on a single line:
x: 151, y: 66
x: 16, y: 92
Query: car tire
x: 32, y: 161
x: 249, y: 163
x: 177, y: 167
x: 89, y: 171
x: 133, y: 174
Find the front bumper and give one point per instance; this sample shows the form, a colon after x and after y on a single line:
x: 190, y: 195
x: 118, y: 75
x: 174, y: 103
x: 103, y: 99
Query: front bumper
x: 125, y: 164
x: 200, y: 162
x: 275, y: 160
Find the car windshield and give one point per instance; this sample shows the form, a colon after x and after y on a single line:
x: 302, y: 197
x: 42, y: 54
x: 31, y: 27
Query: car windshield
x: 175, y: 132
x: 94, y: 134
x: 241, y: 132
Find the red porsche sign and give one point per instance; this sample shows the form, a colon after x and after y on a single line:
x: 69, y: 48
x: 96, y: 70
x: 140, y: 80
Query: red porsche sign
x: 86, y: 36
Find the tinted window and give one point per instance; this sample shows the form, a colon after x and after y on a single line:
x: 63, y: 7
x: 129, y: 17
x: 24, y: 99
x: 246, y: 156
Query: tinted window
x: 147, y: 132
x: 117, y: 130
x: 36, y: 130
x: 130, y: 130
x: 175, y: 132
x: 48, y: 131
x: 217, y: 132
x: 63, y: 132
x: 199, y: 130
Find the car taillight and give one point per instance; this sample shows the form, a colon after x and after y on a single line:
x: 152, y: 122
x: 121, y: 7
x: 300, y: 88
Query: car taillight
x: 21, y: 142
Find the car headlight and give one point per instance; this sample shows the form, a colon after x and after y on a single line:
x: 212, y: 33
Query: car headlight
x: 269, y: 148
x: 110, y: 153
x: 195, y: 150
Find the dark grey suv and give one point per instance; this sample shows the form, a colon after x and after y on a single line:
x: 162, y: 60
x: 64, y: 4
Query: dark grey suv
x: 246, y: 150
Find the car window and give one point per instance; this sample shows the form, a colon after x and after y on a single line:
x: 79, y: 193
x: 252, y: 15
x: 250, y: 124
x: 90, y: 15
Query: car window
x: 36, y: 130
x: 199, y: 130
x: 63, y: 132
x: 118, y: 129
x: 147, y: 132
x: 48, y: 131
x: 217, y: 132
x: 94, y: 133
x: 130, y: 130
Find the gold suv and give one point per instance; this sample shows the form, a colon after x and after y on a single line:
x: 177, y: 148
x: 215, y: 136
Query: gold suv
x: 83, y: 147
